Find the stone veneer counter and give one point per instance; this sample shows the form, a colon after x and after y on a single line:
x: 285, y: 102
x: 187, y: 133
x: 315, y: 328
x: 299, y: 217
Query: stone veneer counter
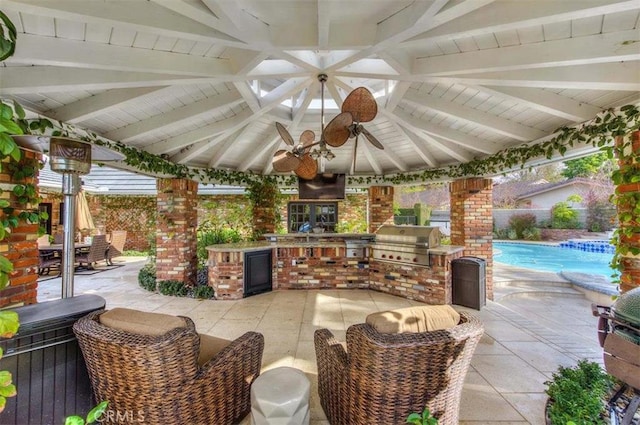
x: 320, y: 261
x: 240, y: 246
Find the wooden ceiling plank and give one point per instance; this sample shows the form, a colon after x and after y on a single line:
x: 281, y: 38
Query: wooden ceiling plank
x: 101, y: 103
x: 37, y: 50
x: 138, y: 15
x: 585, y: 50
x: 546, y: 101
x: 196, y: 135
x: 479, y: 118
x: 46, y: 79
x: 512, y: 15
x: 207, y: 106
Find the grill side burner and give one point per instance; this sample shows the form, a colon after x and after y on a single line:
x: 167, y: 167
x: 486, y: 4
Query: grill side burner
x: 405, y: 244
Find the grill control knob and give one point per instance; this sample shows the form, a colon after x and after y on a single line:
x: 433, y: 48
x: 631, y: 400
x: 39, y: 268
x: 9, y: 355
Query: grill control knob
x: 384, y: 255
x: 415, y: 260
x: 398, y: 258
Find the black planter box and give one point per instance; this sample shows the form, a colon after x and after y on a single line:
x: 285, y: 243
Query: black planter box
x: 46, y: 363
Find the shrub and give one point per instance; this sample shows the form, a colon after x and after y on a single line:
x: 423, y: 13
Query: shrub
x: 521, y: 222
x: 532, y: 234
x: 172, y: 287
x: 214, y: 237
x: 501, y: 234
x: 600, y: 216
x: 147, y: 277
x: 203, y: 292
x: 577, y: 393
x: 563, y: 216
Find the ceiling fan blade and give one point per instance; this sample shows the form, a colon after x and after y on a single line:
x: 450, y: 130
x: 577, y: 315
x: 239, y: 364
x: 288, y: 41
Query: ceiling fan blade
x: 284, y: 161
x: 284, y: 133
x: 371, y: 138
x: 361, y: 104
x: 307, y: 138
x: 336, y: 133
x: 308, y: 167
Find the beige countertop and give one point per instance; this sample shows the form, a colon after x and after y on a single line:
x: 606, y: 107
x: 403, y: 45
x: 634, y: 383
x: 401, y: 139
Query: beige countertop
x: 446, y: 249
x: 241, y: 246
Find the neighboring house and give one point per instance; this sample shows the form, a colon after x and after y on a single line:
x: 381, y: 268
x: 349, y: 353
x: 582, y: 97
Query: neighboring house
x: 547, y: 195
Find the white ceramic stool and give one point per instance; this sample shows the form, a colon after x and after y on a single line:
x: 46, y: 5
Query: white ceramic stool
x: 280, y: 396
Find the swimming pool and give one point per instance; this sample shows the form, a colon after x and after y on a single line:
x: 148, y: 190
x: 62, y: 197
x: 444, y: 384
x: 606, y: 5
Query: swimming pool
x: 552, y: 258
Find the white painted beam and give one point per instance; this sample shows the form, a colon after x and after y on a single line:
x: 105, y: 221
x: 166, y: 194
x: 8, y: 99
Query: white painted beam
x: 248, y: 95
x: 514, y: 15
x: 38, y: 50
x: 142, y: 16
x: 464, y: 113
x: 47, y: 79
x: 208, y: 131
x: 545, y: 101
x: 101, y: 103
x: 270, y: 101
x: 324, y: 23
x: 207, y: 106
x: 196, y: 11
x: 247, y: 27
x: 600, y: 48
x: 422, y: 15
x: 223, y: 148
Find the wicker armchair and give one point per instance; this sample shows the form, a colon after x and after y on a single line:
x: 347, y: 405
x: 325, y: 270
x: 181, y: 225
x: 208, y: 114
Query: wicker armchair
x: 177, y: 377
x: 383, y: 377
x: 96, y: 252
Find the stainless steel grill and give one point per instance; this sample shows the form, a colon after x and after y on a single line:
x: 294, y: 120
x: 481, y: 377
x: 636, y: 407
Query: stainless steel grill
x: 405, y: 244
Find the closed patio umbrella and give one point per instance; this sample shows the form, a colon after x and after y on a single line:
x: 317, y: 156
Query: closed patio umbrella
x: 84, y: 221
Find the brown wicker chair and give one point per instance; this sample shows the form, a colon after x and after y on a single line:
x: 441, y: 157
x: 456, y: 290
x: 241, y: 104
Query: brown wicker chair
x: 166, y: 378
x: 383, y: 377
x: 96, y: 252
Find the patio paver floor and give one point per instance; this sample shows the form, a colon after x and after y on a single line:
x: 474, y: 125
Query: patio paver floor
x: 527, y: 334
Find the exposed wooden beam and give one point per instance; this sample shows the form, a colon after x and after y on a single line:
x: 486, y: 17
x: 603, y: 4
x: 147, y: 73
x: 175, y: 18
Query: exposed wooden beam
x: 593, y: 49
x: 204, y: 107
x: 38, y: 50
x: 47, y: 79
x: 461, y: 112
x: 142, y: 16
x: 101, y: 103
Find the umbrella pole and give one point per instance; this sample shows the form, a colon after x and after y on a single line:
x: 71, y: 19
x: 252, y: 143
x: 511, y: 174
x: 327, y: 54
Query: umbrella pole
x: 70, y: 187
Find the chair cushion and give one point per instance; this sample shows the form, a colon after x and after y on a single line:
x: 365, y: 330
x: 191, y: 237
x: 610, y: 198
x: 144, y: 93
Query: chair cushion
x: 414, y: 319
x: 209, y: 347
x: 140, y: 322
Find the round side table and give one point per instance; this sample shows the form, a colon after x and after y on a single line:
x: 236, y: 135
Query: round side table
x: 280, y: 396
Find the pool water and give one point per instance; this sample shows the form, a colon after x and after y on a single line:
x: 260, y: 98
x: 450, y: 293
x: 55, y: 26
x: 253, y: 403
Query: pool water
x: 552, y: 258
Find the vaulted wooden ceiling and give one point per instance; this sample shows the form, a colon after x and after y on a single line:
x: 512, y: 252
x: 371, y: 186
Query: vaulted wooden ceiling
x: 202, y: 82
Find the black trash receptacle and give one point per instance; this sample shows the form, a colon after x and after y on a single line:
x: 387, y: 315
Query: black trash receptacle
x: 46, y: 363
x: 468, y: 282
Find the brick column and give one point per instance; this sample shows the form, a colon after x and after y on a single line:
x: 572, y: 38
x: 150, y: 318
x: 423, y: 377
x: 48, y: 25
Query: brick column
x: 176, y: 230
x: 472, y: 221
x: 630, y: 276
x: 20, y: 247
x: 380, y: 207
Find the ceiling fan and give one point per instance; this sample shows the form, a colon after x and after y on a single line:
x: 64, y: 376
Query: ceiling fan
x: 358, y: 107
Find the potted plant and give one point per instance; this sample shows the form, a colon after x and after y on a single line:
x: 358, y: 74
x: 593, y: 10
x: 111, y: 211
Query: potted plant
x: 578, y: 394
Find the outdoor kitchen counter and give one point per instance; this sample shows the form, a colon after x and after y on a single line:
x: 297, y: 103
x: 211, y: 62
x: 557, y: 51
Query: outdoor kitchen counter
x: 335, y: 237
x: 446, y: 249
x: 240, y: 246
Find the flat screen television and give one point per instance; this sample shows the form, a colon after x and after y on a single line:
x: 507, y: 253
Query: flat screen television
x: 322, y: 186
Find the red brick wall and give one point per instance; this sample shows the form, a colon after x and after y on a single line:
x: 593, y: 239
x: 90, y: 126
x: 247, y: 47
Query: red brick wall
x: 431, y: 285
x: 472, y: 221
x: 226, y: 274
x: 630, y: 277
x: 20, y: 247
x: 176, y: 230
x: 380, y: 207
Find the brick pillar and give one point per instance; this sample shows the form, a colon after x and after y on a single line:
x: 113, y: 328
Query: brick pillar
x: 20, y: 247
x: 380, y: 207
x: 472, y: 221
x: 176, y: 230
x: 630, y: 276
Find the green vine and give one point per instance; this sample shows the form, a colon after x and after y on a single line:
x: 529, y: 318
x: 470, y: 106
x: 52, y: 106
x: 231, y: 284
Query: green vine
x: 265, y: 195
